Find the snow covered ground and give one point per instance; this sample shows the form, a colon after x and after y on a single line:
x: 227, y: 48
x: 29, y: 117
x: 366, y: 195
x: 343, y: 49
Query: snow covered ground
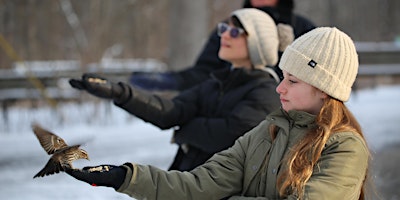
x: 111, y: 136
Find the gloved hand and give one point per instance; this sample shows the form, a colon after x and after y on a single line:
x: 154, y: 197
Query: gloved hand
x: 154, y: 81
x: 98, y: 86
x: 102, y: 175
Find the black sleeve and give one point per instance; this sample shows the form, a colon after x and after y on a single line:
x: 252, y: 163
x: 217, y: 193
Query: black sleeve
x: 162, y: 112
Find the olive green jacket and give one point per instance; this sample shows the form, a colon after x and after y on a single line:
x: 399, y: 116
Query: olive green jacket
x: 250, y: 168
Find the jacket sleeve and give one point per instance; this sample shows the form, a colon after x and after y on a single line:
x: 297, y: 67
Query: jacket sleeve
x: 220, y: 177
x: 161, y: 112
x: 341, y: 169
x: 214, y: 134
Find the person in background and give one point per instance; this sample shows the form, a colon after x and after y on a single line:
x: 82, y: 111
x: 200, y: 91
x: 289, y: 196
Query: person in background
x: 209, y: 117
x: 312, y: 148
x: 280, y: 10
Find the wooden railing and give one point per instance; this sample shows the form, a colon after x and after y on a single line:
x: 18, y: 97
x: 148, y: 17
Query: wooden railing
x: 41, y: 80
x: 379, y: 64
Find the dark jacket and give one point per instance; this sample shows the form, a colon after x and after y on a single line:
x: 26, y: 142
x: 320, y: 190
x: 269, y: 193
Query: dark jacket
x: 208, y: 59
x: 283, y: 13
x: 251, y: 167
x: 209, y: 117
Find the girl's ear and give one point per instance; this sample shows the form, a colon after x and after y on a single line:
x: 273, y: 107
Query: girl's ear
x: 323, y: 95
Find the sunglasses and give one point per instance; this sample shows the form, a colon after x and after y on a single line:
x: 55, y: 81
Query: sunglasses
x: 234, y: 32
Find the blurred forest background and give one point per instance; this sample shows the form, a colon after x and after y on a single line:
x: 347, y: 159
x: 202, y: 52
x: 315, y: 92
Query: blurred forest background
x: 172, y: 31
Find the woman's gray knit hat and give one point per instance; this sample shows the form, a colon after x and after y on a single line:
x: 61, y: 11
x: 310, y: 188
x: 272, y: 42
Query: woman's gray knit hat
x: 263, y: 38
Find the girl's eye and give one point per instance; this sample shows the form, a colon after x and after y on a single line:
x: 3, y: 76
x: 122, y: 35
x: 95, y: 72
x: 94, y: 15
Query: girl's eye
x: 292, y: 81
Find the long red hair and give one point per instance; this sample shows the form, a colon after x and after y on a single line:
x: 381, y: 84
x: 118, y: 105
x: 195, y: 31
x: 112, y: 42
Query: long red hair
x: 334, y: 117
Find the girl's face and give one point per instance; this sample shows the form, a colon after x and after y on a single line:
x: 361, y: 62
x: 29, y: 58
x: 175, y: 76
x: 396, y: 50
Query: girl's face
x: 298, y: 95
x: 234, y: 50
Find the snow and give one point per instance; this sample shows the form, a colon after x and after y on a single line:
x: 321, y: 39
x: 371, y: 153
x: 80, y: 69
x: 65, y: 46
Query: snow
x: 108, y: 134
x: 378, y: 113
x: 112, y: 136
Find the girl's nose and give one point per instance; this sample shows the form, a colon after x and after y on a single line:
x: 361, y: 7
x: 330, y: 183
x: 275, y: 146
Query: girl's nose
x: 280, y: 88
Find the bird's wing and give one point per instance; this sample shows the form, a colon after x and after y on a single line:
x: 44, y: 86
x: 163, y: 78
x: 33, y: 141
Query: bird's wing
x: 49, y: 141
x: 52, y: 167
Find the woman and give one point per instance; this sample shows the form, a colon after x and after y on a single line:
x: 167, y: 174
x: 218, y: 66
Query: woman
x: 208, y: 61
x: 209, y: 118
x: 311, y: 148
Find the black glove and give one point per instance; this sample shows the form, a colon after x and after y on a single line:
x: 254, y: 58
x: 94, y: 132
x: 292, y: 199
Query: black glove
x: 98, y: 86
x: 103, y: 175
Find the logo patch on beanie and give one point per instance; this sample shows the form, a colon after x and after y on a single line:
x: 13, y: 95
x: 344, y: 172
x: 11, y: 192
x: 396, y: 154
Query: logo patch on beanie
x: 312, y: 63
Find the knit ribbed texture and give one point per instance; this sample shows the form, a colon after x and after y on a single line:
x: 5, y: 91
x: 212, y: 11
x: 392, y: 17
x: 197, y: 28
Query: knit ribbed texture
x: 262, y: 40
x: 325, y: 58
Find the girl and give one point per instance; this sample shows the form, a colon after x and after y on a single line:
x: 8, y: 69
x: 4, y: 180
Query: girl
x: 311, y: 148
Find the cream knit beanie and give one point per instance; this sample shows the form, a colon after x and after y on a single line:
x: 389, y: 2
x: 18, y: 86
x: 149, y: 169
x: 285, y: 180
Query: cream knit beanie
x: 262, y: 39
x: 325, y: 58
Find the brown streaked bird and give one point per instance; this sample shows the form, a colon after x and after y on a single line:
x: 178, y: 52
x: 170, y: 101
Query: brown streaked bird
x: 62, y: 154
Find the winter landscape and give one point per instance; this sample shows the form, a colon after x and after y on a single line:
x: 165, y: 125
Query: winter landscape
x: 112, y: 136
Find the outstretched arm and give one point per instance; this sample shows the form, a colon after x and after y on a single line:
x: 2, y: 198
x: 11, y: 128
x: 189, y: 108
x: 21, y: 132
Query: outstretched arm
x: 152, y: 108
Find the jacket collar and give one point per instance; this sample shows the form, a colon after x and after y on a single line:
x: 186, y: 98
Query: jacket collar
x: 288, y: 120
x: 237, y: 76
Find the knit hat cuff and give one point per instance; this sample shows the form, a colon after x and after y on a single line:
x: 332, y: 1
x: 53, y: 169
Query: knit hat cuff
x: 313, y: 73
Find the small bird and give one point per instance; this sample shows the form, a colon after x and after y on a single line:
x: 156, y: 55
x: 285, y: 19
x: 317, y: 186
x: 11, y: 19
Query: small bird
x: 62, y: 154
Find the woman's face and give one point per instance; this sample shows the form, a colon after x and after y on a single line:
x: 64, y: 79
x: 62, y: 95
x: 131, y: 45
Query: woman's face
x: 298, y: 95
x: 234, y: 50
